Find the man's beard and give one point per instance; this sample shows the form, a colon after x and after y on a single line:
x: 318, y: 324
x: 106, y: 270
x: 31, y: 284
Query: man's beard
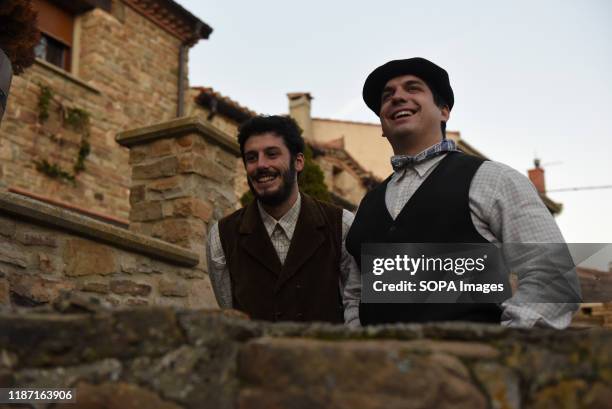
x: 276, y: 198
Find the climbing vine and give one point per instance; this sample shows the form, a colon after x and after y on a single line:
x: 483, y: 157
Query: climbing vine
x: 72, y: 118
x: 44, y: 100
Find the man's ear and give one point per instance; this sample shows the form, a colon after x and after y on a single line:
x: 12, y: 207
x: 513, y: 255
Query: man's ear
x: 445, y: 113
x: 299, y: 162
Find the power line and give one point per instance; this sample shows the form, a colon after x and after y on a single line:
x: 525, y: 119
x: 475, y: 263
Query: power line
x: 573, y: 189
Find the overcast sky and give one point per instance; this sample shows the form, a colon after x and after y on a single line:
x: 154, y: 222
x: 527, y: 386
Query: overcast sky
x: 531, y: 78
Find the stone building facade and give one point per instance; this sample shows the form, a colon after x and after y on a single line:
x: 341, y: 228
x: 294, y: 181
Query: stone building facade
x: 127, y: 68
x: 182, y: 179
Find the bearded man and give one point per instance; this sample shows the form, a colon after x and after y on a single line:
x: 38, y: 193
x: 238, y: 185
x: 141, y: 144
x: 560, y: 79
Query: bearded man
x: 282, y: 257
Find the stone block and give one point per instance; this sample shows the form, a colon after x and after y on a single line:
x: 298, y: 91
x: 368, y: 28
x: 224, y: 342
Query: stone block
x: 146, y: 211
x: 130, y: 287
x: 192, y: 207
x: 204, y: 166
x: 36, y: 238
x: 187, y: 162
x: 191, y: 273
x: 7, y: 227
x: 47, y: 264
x: 186, y: 141
x: 160, y: 168
x: 95, y: 287
x: 172, y: 288
x: 84, y: 257
x: 180, y: 231
x: 168, y: 188
x: 161, y: 147
x: 11, y: 254
x: 134, y: 264
x: 34, y: 289
x: 501, y: 384
x: 136, y: 302
x: 369, y: 367
x: 137, y: 194
x: 201, y: 294
x: 227, y: 159
x: 114, y: 301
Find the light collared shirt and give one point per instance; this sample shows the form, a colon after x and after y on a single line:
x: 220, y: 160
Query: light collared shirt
x: 504, y: 208
x: 281, y: 233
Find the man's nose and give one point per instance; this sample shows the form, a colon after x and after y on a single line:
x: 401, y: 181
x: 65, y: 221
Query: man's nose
x: 398, y: 97
x: 263, y: 162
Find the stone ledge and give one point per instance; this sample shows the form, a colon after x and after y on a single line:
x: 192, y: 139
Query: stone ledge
x: 45, y: 214
x: 66, y: 75
x: 178, y: 127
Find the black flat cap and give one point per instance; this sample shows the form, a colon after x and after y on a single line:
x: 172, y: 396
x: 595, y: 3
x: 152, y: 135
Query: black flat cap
x: 435, y: 77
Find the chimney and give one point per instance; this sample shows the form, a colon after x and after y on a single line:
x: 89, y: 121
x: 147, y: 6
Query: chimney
x: 299, y: 109
x: 536, y: 175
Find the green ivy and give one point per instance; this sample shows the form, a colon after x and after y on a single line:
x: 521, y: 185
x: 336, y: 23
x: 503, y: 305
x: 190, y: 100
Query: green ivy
x: 76, y: 119
x: 53, y: 170
x: 84, y: 151
x: 44, y: 100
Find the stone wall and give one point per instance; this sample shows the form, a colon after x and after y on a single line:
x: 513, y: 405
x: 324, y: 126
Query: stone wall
x: 183, y: 175
x: 127, y: 77
x: 46, y: 251
x: 163, y: 358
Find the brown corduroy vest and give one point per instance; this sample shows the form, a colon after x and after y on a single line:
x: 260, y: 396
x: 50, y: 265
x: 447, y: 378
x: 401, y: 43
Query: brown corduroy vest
x: 306, y: 287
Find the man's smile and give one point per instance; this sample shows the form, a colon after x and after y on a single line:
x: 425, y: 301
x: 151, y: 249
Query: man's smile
x: 403, y: 113
x: 265, y: 179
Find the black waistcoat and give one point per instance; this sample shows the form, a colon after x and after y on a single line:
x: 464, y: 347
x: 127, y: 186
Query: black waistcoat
x: 306, y: 286
x: 438, y: 212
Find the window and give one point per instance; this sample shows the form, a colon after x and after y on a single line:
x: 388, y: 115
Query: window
x: 56, y: 26
x: 53, y: 51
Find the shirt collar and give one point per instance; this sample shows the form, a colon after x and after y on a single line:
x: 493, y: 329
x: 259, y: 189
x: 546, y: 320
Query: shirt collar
x: 424, y: 167
x: 287, y: 222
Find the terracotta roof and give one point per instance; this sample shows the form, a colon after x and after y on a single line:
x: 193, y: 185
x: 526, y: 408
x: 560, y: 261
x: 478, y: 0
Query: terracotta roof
x: 218, y: 103
x: 173, y: 18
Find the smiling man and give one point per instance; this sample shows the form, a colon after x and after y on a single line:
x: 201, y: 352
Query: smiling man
x: 440, y: 195
x: 282, y: 257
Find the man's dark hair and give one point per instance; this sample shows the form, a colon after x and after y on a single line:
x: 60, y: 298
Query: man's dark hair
x: 283, y: 126
x: 440, y: 103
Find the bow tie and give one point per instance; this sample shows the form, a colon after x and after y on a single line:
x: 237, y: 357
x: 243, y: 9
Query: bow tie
x: 400, y: 162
